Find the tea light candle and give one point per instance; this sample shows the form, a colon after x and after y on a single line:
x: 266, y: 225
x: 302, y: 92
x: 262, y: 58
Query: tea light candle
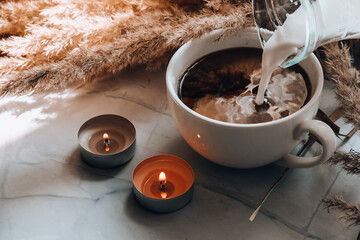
x: 163, y: 183
x: 107, y: 141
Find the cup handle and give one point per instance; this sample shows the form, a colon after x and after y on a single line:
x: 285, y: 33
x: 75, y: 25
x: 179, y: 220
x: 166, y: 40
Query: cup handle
x: 326, y: 137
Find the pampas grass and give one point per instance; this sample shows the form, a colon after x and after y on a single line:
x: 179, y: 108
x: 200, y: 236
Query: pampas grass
x: 350, y: 161
x: 339, y: 68
x: 352, y: 211
x: 57, y: 43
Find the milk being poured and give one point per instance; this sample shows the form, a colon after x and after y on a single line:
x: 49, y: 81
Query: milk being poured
x: 283, y: 43
x: 333, y: 20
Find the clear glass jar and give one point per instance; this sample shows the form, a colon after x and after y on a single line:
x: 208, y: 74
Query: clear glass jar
x: 322, y: 21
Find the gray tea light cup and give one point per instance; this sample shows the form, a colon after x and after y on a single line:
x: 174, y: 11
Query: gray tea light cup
x: 179, y: 173
x: 122, y: 138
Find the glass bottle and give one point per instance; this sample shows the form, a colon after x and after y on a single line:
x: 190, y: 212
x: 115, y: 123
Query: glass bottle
x: 318, y: 22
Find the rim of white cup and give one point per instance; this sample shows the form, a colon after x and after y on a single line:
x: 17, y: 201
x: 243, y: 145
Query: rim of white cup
x: 174, y: 94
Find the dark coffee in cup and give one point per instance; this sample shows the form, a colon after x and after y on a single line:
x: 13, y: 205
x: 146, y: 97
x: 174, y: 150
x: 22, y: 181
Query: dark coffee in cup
x: 223, y: 86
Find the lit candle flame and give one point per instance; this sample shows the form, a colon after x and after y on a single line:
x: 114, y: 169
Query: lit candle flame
x: 106, y: 142
x: 162, y: 177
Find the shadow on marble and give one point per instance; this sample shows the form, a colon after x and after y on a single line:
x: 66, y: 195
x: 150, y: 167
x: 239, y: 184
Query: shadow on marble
x: 208, y: 216
x: 91, y: 173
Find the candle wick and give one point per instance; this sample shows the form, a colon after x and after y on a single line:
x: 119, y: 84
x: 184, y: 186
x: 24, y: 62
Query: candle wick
x: 106, y: 144
x: 162, y: 186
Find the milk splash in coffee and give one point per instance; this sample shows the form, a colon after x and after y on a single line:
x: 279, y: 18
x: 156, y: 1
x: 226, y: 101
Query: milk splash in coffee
x: 223, y: 86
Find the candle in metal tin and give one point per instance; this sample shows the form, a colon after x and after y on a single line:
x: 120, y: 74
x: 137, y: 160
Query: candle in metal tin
x: 107, y: 141
x: 163, y: 183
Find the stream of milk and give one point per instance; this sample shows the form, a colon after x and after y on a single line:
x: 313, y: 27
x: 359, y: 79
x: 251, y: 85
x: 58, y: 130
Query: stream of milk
x: 335, y: 20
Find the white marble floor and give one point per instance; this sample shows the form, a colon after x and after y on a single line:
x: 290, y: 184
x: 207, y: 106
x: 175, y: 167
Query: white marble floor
x: 48, y: 193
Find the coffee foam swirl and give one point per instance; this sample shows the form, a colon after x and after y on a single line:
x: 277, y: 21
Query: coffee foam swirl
x: 286, y: 94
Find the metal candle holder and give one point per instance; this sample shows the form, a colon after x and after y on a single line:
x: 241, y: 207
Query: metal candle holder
x: 107, y: 141
x: 149, y: 187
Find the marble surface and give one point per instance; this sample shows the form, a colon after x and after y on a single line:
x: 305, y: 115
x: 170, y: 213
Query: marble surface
x: 48, y: 193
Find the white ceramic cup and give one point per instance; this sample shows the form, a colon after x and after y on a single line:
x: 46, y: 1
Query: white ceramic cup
x: 246, y: 145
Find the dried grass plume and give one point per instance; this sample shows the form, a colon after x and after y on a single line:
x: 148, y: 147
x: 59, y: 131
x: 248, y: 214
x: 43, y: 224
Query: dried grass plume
x: 350, y: 161
x: 338, y: 65
x: 352, y: 211
x: 51, y: 44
